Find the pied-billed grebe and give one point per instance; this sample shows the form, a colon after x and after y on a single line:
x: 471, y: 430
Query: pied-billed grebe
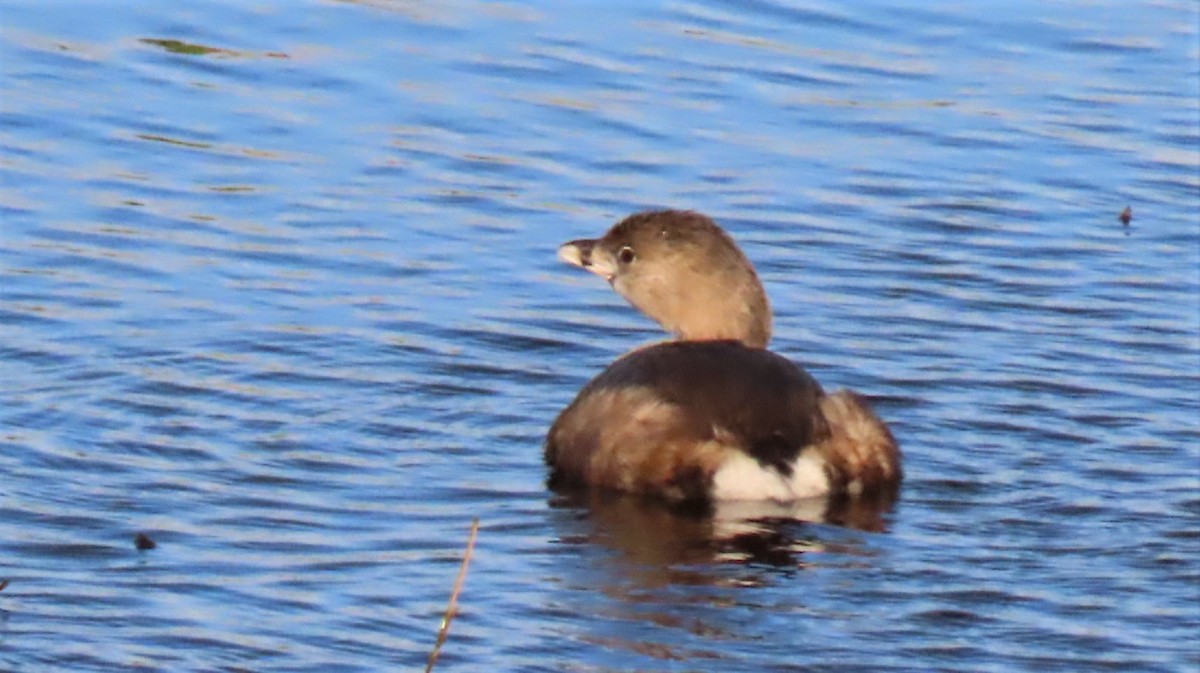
x: 712, y: 415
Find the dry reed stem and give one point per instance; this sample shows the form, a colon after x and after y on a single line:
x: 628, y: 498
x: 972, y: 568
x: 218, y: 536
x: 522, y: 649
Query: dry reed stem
x: 451, y: 608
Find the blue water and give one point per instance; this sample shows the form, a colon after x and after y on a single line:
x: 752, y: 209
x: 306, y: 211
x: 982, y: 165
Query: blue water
x: 278, y: 290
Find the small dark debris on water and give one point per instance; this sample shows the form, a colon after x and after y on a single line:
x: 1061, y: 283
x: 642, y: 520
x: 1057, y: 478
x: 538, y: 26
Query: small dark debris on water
x: 1126, y: 216
x: 3, y: 583
x: 143, y: 542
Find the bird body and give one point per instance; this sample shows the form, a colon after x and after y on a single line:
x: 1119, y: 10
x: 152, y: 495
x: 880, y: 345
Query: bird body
x: 712, y: 415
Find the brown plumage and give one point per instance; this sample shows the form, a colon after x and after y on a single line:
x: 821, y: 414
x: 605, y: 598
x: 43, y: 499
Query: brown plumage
x: 712, y: 414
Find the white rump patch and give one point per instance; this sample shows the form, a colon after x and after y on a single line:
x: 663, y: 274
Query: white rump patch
x: 741, y: 477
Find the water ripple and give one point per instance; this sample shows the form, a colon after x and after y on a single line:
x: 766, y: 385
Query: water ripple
x: 278, y: 290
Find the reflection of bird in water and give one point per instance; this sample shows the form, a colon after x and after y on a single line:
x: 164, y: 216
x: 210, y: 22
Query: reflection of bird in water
x: 714, y: 415
x: 661, y: 545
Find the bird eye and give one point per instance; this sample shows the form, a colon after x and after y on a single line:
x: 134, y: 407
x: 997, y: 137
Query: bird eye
x: 626, y: 255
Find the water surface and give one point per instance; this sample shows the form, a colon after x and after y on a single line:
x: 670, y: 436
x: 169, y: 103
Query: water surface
x: 278, y: 290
